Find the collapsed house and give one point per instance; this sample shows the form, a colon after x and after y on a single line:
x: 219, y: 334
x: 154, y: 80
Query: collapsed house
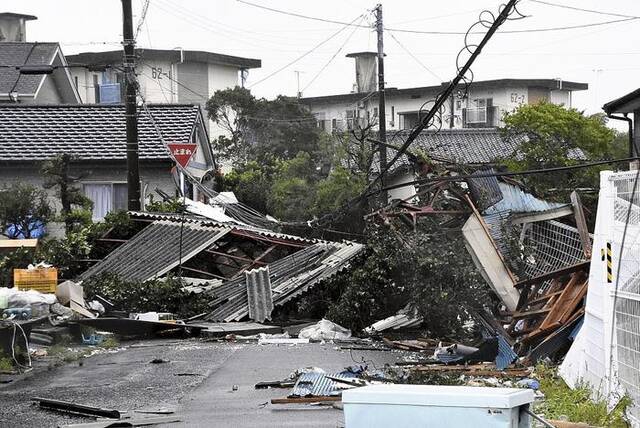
x: 533, y: 253
x: 247, y: 271
x: 536, y: 264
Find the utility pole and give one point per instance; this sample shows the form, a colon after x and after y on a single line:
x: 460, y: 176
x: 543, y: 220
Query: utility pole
x: 298, y: 93
x: 382, y: 121
x: 133, y: 169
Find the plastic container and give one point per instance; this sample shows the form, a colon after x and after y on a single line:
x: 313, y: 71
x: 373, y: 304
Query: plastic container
x: 413, y: 406
x: 44, y: 280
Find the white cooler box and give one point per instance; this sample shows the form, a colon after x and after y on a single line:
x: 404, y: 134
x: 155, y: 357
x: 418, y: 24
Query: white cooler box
x: 413, y: 406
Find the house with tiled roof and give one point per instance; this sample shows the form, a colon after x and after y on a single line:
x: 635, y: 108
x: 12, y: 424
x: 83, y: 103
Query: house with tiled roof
x: 17, y: 57
x: 164, y: 75
x: 470, y: 147
x: 96, y: 136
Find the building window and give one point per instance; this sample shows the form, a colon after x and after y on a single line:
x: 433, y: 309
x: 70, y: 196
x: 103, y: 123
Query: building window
x: 96, y: 89
x: 75, y: 81
x: 351, y: 119
x: 106, y: 197
x: 393, y: 116
x: 477, y: 111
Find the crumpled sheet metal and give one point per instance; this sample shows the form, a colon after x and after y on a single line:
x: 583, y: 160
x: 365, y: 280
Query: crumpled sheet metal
x: 259, y: 297
x: 315, y: 384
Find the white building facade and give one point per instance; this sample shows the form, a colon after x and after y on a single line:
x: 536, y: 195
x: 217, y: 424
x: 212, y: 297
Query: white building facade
x: 165, y: 76
x: 482, y: 106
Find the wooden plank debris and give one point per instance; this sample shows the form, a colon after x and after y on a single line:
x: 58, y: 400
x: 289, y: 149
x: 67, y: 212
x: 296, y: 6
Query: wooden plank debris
x: 547, y: 304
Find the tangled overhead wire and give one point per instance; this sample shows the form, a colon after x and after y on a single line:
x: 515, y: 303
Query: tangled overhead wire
x: 433, y: 117
x: 486, y: 20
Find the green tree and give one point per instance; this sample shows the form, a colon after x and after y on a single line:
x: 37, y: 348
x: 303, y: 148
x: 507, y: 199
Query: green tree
x: 440, y: 282
x: 293, y: 189
x: 260, y: 129
x: 251, y: 183
x: 552, y: 136
x: 76, y: 207
x: 25, y: 208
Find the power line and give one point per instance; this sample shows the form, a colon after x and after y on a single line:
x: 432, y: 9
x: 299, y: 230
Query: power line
x: 548, y: 3
x: 347, y: 25
x: 401, y: 30
x: 506, y: 174
x: 440, y: 79
x: 534, y: 30
x: 143, y: 15
x: 332, y: 57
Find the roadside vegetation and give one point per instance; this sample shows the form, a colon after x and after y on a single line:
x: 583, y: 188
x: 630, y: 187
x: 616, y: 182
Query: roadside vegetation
x: 576, y: 405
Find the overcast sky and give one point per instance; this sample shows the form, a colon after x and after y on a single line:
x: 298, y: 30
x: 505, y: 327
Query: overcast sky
x: 604, y: 56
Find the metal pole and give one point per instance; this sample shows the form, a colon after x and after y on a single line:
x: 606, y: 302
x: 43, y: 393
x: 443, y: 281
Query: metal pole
x: 133, y: 170
x: 382, y: 122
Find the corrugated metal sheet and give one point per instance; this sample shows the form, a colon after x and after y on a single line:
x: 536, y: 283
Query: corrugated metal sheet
x: 259, y: 297
x: 516, y: 200
x: 290, y: 277
x: 506, y: 354
x: 155, y: 250
x: 318, y: 384
x: 403, y: 319
x: 485, y: 191
x: 208, y: 222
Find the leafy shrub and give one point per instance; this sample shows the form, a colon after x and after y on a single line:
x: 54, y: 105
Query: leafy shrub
x: 17, y: 259
x: 158, y: 295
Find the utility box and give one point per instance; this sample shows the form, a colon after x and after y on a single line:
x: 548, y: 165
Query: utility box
x: 422, y: 406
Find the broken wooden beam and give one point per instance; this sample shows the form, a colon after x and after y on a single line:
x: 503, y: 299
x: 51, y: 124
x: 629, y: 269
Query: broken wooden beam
x: 306, y: 400
x: 554, y: 274
x: 77, y: 409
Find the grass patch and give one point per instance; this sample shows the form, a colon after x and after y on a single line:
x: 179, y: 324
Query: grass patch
x: 576, y: 405
x: 110, y: 342
x: 63, y: 353
x: 6, y: 363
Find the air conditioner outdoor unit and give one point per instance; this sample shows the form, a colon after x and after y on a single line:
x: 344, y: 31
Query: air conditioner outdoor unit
x: 413, y: 406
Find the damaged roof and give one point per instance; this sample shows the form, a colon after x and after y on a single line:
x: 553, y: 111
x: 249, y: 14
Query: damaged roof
x: 91, y: 131
x: 289, y: 276
x: 155, y: 250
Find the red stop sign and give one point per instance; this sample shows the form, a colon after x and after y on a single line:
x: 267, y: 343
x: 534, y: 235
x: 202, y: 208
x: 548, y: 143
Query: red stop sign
x: 182, y: 152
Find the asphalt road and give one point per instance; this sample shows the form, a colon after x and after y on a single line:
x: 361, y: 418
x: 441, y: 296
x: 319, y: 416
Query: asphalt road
x: 198, y: 381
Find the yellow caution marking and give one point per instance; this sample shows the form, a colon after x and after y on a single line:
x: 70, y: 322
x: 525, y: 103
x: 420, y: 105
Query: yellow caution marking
x: 609, y: 264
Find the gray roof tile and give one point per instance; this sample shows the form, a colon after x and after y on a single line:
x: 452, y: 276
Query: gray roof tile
x: 23, y: 53
x: 92, y: 132
x: 463, y: 146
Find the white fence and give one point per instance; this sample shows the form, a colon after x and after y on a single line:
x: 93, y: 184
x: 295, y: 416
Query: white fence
x: 606, y: 352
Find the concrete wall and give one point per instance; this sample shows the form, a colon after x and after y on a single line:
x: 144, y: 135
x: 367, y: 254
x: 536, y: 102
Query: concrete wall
x: 219, y: 77
x: 48, y: 93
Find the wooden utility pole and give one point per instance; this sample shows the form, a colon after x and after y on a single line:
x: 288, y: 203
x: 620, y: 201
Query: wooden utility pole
x: 298, y: 93
x: 382, y: 121
x: 133, y: 168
